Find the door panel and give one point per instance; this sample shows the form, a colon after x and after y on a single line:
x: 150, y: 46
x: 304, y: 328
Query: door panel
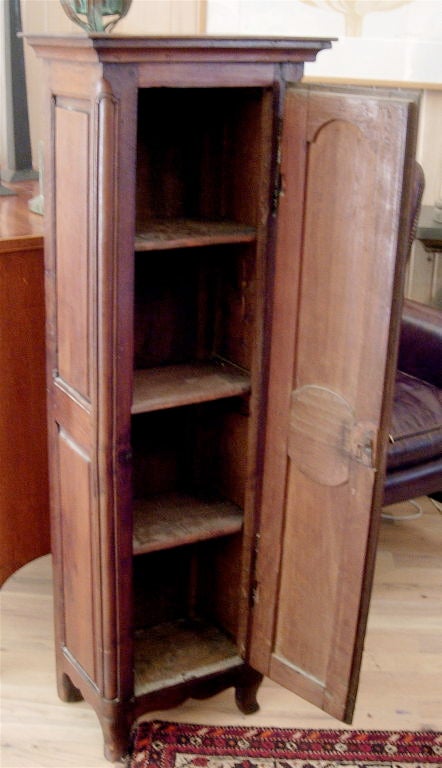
x: 344, y: 167
x: 73, y: 310
x: 79, y: 574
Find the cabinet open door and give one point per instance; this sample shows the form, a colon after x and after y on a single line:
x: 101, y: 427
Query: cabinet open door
x: 346, y: 162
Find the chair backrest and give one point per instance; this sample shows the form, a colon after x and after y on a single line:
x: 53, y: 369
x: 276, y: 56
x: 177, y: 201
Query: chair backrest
x: 416, y: 201
x: 420, y: 348
x: 421, y: 327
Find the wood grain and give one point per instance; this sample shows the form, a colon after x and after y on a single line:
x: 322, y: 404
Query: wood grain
x: 16, y: 220
x: 187, y: 233
x: 174, y: 520
x: 73, y: 277
x: 24, y: 495
x: 175, y: 385
x: 336, y: 340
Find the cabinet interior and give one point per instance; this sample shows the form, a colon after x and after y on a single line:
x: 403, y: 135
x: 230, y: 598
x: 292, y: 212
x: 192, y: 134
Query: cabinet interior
x: 201, y: 203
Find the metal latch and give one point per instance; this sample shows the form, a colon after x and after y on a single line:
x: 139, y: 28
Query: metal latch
x: 363, y: 443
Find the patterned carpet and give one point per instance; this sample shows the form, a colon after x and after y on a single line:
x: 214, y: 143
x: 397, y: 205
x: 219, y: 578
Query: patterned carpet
x: 178, y: 745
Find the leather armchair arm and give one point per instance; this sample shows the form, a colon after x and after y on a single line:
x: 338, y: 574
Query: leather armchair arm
x: 420, y: 346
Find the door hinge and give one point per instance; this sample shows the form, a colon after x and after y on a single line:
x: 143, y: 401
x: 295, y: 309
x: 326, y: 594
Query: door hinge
x: 278, y: 178
x: 277, y: 192
x: 254, y: 591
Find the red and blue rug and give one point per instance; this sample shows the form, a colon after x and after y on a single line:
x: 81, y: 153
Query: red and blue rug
x: 179, y: 745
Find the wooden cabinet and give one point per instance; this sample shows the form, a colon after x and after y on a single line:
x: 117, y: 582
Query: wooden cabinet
x: 222, y: 282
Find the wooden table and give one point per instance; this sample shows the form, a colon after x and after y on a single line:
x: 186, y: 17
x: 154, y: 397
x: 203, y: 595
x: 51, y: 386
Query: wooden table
x: 24, y: 507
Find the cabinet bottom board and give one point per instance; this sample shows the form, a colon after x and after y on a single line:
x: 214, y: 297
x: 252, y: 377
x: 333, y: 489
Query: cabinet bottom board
x: 178, y: 651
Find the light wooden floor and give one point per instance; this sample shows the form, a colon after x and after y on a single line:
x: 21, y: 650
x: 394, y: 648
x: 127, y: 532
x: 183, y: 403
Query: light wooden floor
x: 400, y: 687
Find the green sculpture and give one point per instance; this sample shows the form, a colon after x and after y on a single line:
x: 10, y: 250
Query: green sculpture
x: 94, y: 13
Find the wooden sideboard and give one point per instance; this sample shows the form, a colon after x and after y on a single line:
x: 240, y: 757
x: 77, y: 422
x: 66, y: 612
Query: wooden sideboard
x: 24, y: 513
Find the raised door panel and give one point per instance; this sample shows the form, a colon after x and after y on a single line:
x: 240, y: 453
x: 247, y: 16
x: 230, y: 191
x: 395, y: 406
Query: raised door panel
x: 78, y: 569
x: 72, y: 189
x: 345, y: 164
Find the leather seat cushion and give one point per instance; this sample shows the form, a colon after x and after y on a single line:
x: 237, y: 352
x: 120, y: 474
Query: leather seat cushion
x: 416, y: 428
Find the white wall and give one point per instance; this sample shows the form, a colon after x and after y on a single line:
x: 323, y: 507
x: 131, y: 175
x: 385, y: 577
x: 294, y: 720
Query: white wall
x: 386, y: 39
x: 145, y: 17
x: 391, y: 42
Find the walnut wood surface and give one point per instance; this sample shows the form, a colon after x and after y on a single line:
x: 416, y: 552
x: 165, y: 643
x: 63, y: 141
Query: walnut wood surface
x: 204, y: 49
x: 298, y: 314
x: 175, y: 385
x: 174, y: 520
x: 17, y: 222
x: 24, y: 499
x: 188, y: 233
x: 333, y: 333
x: 178, y: 651
x: 207, y: 304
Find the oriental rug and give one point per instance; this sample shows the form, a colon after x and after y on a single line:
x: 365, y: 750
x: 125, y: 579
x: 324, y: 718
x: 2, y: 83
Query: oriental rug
x: 177, y: 745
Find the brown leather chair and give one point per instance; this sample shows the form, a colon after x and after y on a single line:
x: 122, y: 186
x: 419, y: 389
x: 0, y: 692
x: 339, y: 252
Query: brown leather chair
x: 414, y: 458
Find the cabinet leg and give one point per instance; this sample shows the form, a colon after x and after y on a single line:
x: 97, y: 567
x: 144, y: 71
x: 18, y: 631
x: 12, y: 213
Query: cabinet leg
x: 67, y: 690
x: 116, y: 734
x: 246, y: 691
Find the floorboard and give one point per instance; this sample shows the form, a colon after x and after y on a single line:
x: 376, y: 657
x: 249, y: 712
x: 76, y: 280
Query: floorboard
x: 400, y: 686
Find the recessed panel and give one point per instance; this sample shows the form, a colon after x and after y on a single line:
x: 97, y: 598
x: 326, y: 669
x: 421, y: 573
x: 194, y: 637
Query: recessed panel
x: 72, y: 246
x: 78, y: 545
x: 324, y: 489
x: 337, y: 281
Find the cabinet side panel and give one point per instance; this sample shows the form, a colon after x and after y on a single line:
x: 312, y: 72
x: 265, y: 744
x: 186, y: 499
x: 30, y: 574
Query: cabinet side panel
x: 72, y: 253
x: 77, y: 571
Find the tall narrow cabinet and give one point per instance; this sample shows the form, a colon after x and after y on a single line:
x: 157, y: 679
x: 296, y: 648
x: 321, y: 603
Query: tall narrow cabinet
x: 224, y: 271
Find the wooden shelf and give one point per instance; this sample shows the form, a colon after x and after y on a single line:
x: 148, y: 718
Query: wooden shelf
x: 174, y: 519
x: 174, y: 385
x: 180, y: 650
x: 162, y: 234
